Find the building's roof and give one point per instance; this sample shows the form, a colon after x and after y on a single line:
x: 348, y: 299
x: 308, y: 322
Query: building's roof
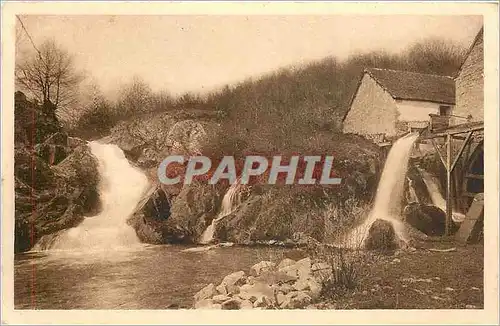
x: 477, y: 40
x: 406, y: 85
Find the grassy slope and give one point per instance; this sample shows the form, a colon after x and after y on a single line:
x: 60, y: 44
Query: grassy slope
x: 419, y: 280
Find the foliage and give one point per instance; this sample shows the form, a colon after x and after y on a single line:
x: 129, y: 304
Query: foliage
x: 286, y: 109
x: 49, y: 75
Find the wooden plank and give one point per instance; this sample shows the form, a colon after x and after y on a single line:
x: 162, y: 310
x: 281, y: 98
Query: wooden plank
x: 438, y: 151
x: 469, y: 228
x: 458, y: 129
x: 474, y: 176
x: 448, y: 186
x: 469, y: 135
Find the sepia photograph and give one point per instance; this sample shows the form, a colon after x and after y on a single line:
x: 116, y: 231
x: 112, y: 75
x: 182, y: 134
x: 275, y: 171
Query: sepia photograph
x: 175, y: 161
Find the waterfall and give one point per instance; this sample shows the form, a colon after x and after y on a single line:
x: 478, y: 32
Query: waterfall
x: 388, y: 199
x: 229, y: 203
x: 121, y: 187
x: 436, y: 196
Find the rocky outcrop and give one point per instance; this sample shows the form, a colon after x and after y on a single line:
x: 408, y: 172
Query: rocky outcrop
x: 56, y: 177
x: 287, y: 285
x: 147, y: 140
x: 53, y: 198
x: 280, y: 214
x: 164, y: 218
x: 298, y: 216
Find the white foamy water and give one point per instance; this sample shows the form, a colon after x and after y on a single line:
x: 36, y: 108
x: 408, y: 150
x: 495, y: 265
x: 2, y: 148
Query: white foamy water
x: 436, y: 196
x: 121, y: 187
x: 229, y: 203
x: 388, y: 199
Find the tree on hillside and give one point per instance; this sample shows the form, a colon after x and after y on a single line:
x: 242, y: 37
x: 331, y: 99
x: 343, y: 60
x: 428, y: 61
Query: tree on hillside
x: 434, y: 56
x: 135, y: 97
x: 96, y: 116
x: 48, y: 74
x: 190, y: 100
x: 163, y: 101
x: 285, y: 108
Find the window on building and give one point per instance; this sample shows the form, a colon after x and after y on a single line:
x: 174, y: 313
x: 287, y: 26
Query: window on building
x: 444, y: 110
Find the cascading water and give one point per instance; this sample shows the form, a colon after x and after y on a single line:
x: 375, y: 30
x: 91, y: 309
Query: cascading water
x: 437, y: 197
x: 229, y: 203
x: 389, y: 194
x: 121, y: 187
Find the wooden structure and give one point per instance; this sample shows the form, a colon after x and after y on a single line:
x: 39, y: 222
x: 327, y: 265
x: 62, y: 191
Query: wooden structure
x: 462, y: 132
x: 438, y: 122
x: 471, y: 226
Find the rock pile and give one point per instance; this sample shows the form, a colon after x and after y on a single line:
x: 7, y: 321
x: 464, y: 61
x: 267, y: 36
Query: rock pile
x: 287, y: 285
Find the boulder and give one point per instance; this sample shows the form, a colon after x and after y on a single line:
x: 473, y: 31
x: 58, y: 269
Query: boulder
x: 278, y: 277
x: 232, y: 289
x: 231, y: 304
x: 296, y: 300
x: 206, y: 293
x: 256, y: 291
x: 207, y: 304
x: 286, y: 288
x: 263, y: 302
x: 280, y: 298
x: 220, y: 298
x: 304, y: 268
x: 222, y: 289
x: 236, y: 278
x: 257, y: 269
x: 381, y: 236
x: 301, y: 269
x: 428, y: 219
x: 246, y: 304
x: 315, y: 289
x: 291, y: 271
x: 285, y: 263
x: 301, y: 285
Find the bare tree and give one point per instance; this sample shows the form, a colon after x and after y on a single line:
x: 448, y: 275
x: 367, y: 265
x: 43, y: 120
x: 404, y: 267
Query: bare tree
x: 163, y: 100
x: 135, y: 97
x: 49, y: 74
x: 435, y: 56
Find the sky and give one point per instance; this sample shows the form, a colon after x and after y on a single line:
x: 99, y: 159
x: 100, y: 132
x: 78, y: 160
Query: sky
x: 200, y: 53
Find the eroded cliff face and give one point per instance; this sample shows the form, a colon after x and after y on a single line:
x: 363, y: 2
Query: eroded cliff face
x: 180, y: 214
x: 56, y: 176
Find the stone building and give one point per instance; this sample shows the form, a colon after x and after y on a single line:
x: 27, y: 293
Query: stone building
x: 388, y: 103
x: 470, y: 85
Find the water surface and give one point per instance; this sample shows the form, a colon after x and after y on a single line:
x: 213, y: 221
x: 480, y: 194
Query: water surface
x: 142, y: 277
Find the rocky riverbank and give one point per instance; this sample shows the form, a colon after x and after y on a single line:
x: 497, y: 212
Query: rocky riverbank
x: 287, y: 285
x: 399, y: 279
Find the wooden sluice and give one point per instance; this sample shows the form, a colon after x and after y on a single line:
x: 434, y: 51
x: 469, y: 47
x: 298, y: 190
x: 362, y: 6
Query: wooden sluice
x: 452, y: 136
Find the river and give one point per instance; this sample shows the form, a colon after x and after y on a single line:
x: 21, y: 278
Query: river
x: 144, y: 277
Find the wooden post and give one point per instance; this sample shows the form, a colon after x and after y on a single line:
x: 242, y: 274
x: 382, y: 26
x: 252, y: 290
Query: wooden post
x: 448, y: 186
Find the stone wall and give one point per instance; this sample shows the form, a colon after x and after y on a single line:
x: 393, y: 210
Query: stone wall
x: 373, y: 110
x: 469, y: 85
